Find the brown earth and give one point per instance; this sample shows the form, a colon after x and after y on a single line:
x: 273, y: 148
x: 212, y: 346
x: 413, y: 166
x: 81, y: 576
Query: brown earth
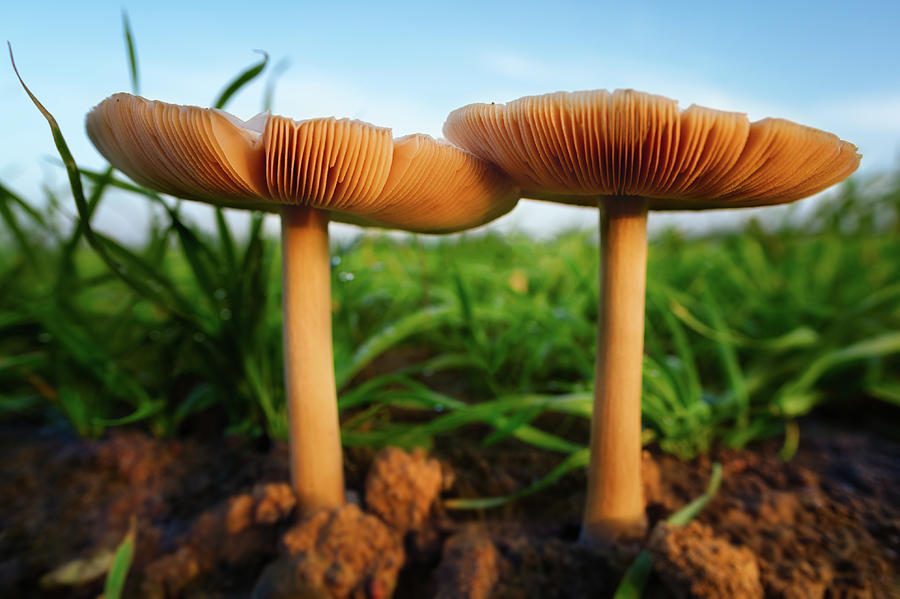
x: 212, y: 517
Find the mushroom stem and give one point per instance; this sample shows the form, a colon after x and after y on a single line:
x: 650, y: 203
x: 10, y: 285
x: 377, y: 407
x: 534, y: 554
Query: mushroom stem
x: 315, y: 440
x: 615, y: 502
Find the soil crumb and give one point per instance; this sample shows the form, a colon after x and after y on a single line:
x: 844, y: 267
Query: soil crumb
x: 402, y: 487
x: 469, y: 566
x: 343, y: 554
x: 236, y: 532
x: 691, y: 562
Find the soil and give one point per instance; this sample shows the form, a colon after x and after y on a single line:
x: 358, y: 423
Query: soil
x: 215, y: 519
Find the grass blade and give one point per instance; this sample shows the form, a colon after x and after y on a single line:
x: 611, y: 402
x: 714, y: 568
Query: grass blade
x: 637, y: 575
x: 791, y: 440
x: 579, y: 459
x: 101, y: 245
x: 888, y: 391
x: 67, y: 255
x: 226, y: 239
x: 61, y: 146
x: 690, y: 511
x: 243, y: 78
x: 737, y: 383
x: 21, y: 237
x: 798, y: 396
x: 25, y: 206
x: 20, y: 361
x: 131, y: 53
x: 269, y: 95
x: 118, y: 572
x: 390, y: 336
x: 798, y: 338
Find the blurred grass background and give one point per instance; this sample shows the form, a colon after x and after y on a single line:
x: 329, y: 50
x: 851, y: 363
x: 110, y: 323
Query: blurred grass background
x: 746, y: 331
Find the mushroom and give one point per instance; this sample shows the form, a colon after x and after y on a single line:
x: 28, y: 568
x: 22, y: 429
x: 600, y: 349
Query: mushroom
x: 629, y: 152
x: 312, y: 171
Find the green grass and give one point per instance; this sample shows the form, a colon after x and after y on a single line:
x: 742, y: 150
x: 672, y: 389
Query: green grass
x: 746, y: 331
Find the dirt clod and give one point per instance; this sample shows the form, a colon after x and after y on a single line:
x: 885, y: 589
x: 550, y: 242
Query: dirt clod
x: 401, y: 487
x: 342, y: 553
x: 274, y: 502
x: 692, y: 562
x: 235, y: 531
x: 468, y: 568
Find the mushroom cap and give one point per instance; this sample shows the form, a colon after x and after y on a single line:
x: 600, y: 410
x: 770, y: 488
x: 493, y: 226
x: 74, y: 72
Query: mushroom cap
x: 573, y: 147
x: 350, y: 168
x: 425, y: 172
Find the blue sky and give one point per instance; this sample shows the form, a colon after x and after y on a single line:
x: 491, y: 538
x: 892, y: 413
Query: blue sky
x: 832, y: 65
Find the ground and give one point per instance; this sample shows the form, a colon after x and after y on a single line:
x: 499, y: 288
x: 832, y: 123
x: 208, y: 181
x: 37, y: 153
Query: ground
x: 213, y: 515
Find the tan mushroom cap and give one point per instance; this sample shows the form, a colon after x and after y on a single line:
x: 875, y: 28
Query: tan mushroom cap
x: 573, y: 147
x: 350, y: 168
x: 426, y: 172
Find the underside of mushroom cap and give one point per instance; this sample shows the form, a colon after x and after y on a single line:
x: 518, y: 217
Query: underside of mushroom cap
x: 186, y: 151
x: 435, y: 187
x: 352, y: 169
x: 327, y: 163
x: 363, y: 176
x: 575, y: 147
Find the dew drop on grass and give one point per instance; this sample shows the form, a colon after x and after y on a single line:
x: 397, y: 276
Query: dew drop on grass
x: 335, y: 260
x: 225, y: 314
x: 345, y: 276
x: 219, y: 294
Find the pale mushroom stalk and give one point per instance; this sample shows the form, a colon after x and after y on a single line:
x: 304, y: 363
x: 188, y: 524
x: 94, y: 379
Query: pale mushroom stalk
x: 317, y: 473
x: 639, y: 152
x: 313, y: 171
x: 615, y: 502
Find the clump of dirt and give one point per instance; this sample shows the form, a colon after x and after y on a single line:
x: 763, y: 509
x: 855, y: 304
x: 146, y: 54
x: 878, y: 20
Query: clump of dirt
x: 349, y: 553
x: 402, y: 487
x: 342, y: 553
x: 234, y: 533
x: 469, y: 566
x: 692, y: 562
